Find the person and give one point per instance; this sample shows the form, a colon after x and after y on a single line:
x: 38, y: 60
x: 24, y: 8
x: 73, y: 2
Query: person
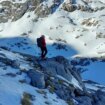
x: 43, y: 47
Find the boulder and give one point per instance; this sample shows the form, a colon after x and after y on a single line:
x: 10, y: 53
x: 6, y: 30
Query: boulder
x: 37, y: 78
x: 99, y: 98
x: 84, y: 100
x: 61, y: 66
x: 69, y: 7
x: 54, y: 68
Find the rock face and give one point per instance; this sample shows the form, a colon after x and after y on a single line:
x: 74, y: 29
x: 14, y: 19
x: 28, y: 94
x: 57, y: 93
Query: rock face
x: 99, y: 98
x: 10, y: 10
x: 84, y: 100
x: 60, y: 66
x: 71, y: 6
x: 15, y: 11
x: 55, y: 68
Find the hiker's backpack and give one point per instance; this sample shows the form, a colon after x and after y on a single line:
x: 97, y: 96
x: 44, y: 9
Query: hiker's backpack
x: 39, y: 42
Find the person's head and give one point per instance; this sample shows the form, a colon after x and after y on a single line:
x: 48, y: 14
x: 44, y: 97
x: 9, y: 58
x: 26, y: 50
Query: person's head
x: 43, y: 36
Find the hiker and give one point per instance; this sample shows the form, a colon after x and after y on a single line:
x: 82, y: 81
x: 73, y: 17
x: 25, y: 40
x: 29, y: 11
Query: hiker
x: 42, y: 44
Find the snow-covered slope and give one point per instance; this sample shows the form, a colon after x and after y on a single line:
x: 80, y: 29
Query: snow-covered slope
x: 83, y: 30
x: 15, y: 87
x: 12, y: 92
x: 21, y: 82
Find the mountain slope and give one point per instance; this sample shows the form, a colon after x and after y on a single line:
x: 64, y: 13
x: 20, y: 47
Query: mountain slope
x: 83, y: 29
x: 14, y: 84
x: 27, y: 80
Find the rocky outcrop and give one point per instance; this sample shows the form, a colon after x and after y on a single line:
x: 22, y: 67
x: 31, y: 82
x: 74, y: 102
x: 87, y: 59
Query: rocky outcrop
x: 61, y: 66
x: 85, y: 61
x: 72, y: 7
x: 90, y: 22
x: 12, y: 11
x: 15, y: 11
x: 84, y: 100
x: 69, y: 7
x: 98, y: 98
x: 42, y: 11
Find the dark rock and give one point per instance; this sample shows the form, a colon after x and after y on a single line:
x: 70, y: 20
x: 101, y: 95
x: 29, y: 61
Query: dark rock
x: 99, y: 98
x: 37, y: 78
x: 84, y: 100
x: 61, y: 66
x: 54, y: 68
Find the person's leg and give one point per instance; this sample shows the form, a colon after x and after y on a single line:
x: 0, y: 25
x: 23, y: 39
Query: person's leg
x: 42, y: 52
x: 45, y: 52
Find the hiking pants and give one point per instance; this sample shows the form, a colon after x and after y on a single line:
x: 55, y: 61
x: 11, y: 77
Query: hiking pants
x: 43, y: 52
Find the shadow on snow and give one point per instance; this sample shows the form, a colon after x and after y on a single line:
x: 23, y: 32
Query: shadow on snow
x: 25, y: 45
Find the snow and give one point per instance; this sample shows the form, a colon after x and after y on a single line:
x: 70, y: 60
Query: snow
x: 10, y: 55
x: 102, y: 1
x: 89, y: 86
x: 13, y: 29
x: 11, y: 92
x: 95, y: 87
x: 48, y: 3
x: 73, y: 81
